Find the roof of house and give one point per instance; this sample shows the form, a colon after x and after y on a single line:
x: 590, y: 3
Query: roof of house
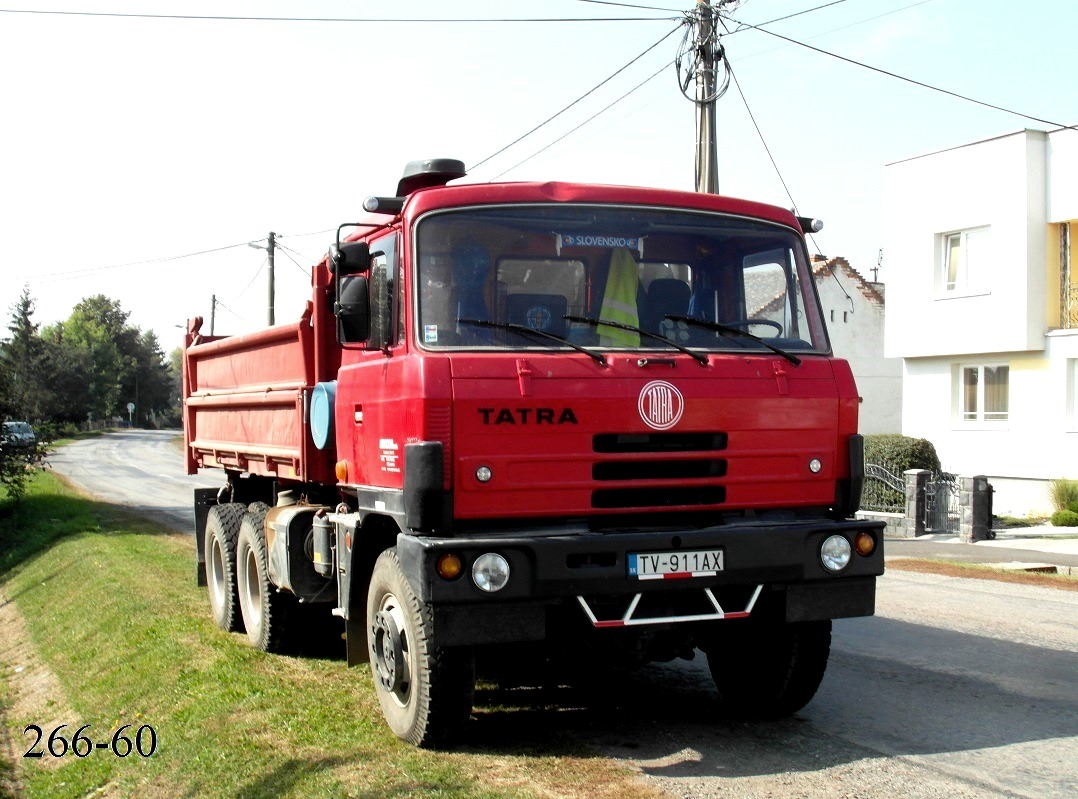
x: 823, y: 267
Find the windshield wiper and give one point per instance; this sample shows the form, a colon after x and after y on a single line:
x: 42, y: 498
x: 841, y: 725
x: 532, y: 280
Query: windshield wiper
x: 718, y: 327
x: 701, y: 359
x: 599, y: 359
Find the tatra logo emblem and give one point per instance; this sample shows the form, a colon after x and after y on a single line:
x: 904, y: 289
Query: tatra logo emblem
x: 660, y: 405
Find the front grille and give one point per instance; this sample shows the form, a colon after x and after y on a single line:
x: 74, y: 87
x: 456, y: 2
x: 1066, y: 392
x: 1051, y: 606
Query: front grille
x: 675, y: 457
x: 657, y: 497
x: 659, y: 442
x: 658, y: 470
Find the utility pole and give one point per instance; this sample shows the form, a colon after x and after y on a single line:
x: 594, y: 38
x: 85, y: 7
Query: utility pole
x: 707, y: 167
x: 271, y: 245
x: 213, y: 311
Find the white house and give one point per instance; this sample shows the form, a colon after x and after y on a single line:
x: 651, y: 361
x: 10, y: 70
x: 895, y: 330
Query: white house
x: 983, y: 308
x: 853, y: 309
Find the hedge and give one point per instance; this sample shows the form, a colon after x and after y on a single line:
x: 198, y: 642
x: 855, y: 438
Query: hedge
x: 901, y: 452
x: 1065, y: 518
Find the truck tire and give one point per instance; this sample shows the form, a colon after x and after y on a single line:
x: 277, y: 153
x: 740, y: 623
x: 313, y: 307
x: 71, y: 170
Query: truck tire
x: 266, y: 611
x: 425, y: 690
x: 768, y: 671
x: 222, y: 529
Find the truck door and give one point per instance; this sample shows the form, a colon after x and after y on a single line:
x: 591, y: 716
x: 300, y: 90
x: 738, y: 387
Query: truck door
x: 369, y: 416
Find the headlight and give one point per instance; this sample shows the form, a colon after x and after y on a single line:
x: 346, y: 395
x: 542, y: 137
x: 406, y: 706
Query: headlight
x: 835, y: 553
x: 490, y: 572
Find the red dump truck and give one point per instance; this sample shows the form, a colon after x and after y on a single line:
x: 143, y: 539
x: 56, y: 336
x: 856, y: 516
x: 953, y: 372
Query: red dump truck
x: 584, y: 424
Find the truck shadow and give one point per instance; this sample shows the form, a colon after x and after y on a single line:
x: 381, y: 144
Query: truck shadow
x: 917, y: 693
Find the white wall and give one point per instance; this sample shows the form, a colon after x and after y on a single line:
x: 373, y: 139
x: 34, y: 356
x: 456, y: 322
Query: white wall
x: 855, y: 327
x: 999, y: 183
x: 1038, y: 443
x: 1063, y: 177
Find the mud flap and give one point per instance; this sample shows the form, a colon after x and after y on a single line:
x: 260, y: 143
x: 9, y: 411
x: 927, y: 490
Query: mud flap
x: 205, y: 498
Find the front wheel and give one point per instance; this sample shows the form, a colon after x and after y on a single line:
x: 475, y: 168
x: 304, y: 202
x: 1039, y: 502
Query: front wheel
x: 425, y: 690
x: 767, y: 671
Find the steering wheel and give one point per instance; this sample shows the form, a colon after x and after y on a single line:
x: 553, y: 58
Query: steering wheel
x: 747, y: 322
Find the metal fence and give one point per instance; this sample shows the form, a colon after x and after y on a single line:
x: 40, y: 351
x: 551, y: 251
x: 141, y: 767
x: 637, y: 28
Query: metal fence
x: 885, y: 489
x: 942, y: 511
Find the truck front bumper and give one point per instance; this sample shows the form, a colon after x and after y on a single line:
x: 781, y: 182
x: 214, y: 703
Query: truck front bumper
x: 548, y: 569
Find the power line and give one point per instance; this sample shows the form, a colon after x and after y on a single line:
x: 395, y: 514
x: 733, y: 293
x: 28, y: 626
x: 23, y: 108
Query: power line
x: 300, y: 235
x: 763, y: 141
x: 902, y: 77
x: 585, y: 122
x: 394, y: 20
x: 791, y: 16
x: 288, y: 254
x: 577, y: 100
x: 253, y: 279
x: 831, y: 30
x: 77, y: 273
x: 631, y: 5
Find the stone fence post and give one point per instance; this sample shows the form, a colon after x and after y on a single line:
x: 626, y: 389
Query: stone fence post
x: 975, y: 505
x: 916, y: 480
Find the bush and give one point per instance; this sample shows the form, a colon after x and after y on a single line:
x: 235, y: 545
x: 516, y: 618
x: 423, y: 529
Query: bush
x: 1065, y: 518
x: 1064, y: 493
x: 900, y: 453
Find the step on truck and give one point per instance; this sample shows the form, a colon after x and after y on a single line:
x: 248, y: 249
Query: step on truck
x: 597, y: 424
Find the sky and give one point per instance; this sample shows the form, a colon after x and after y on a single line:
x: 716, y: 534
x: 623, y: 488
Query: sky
x: 127, y: 141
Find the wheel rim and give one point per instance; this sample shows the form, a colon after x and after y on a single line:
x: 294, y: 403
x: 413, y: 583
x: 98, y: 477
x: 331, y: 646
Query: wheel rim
x: 251, y: 589
x: 392, y: 652
x: 218, y: 585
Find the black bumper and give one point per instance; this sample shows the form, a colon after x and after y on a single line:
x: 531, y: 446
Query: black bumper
x: 547, y: 569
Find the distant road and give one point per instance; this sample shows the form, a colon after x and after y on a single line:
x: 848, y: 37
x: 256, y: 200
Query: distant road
x: 141, y: 468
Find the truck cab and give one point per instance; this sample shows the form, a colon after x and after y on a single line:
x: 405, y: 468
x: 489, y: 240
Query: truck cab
x: 564, y: 417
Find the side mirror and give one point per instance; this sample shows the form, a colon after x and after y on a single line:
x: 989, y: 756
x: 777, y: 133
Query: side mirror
x: 352, y: 309
x: 350, y: 258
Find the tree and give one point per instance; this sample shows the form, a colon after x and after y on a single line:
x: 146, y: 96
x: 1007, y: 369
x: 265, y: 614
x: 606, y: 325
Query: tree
x: 22, y: 358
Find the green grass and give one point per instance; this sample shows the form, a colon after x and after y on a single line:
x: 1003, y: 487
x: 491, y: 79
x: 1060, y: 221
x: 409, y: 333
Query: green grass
x: 111, y: 606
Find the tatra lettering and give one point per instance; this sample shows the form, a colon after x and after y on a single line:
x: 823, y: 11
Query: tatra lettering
x: 527, y: 416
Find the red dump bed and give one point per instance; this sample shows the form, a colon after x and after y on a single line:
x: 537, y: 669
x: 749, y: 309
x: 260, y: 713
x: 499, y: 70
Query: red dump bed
x: 245, y: 401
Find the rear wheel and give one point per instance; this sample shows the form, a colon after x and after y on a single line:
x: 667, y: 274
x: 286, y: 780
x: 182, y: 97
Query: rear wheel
x: 426, y: 691
x: 222, y: 530
x: 767, y: 671
x: 265, y: 610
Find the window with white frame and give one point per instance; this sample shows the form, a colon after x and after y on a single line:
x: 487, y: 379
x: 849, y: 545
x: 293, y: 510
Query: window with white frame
x: 963, y: 259
x: 984, y: 393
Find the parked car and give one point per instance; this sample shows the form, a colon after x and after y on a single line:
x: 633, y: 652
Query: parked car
x: 18, y: 435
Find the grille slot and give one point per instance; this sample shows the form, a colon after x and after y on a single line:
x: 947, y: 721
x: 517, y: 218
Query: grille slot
x: 659, y: 442
x: 658, y: 470
x: 657, y: 497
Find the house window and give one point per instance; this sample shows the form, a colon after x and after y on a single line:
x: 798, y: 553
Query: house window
x: 985, y: 393
x: 963, y: 259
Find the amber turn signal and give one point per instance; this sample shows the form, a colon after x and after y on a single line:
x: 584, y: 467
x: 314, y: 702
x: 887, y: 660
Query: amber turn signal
x: 449, y: 566
x: 341, y: 470
x: 864, y: 543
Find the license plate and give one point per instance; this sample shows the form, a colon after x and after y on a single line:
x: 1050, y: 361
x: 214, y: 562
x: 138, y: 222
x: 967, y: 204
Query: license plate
x: 675, y: 565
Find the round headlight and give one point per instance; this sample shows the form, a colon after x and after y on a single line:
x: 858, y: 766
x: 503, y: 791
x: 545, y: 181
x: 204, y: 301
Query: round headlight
x: 483, y: 474
x: 490, y: 572
x: 835, y: 553
x: 815, y: 465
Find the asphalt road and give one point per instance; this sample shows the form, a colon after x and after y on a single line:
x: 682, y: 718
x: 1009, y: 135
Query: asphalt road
x: 956, y: 688
x: 138, y: 468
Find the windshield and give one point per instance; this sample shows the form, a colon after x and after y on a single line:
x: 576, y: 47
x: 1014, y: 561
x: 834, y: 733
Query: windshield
x: 660, y: 277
